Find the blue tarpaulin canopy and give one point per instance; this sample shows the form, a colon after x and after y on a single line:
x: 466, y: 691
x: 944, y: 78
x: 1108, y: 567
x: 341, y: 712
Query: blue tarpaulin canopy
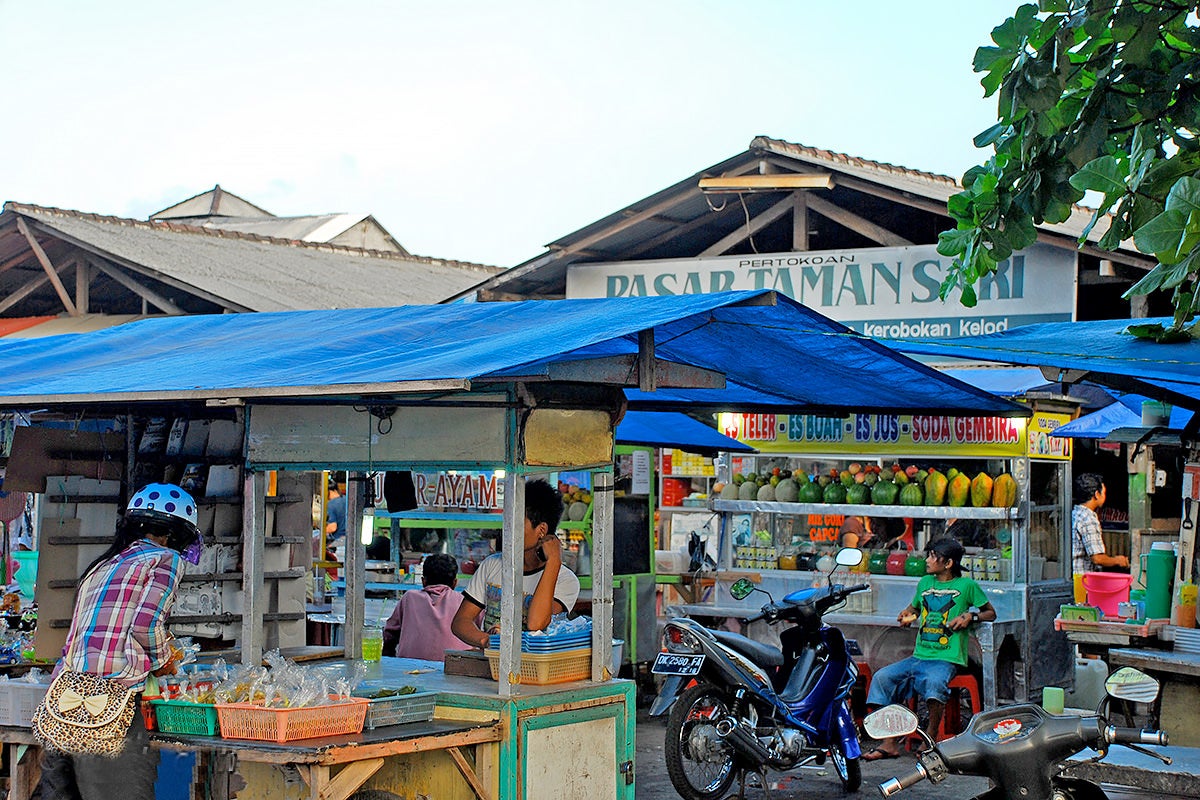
x: 1099, y: 350
x: 1126, y: 412
x: 772, y: 351
x: 674, y: 429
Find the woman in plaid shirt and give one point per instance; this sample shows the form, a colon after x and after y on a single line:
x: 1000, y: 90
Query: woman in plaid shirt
x: 119, y: 631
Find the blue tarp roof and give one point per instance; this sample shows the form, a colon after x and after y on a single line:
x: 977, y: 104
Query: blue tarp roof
x: 773, y: 351
x: 1100, y: 348
x: 1126, y: 412
x: 674, y: 429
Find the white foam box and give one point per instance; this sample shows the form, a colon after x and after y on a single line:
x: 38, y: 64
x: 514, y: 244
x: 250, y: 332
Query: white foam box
x: 670, y: 562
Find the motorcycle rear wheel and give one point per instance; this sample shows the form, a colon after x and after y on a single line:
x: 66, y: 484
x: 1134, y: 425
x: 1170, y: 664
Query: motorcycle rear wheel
x: 700, y: 764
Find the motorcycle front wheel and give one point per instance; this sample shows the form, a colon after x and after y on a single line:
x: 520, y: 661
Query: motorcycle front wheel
x: 849, y: 770
x: 699, y: 762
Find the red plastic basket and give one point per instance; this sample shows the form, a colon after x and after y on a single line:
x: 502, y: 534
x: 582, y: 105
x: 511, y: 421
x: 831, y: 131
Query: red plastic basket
x: 248, y: 721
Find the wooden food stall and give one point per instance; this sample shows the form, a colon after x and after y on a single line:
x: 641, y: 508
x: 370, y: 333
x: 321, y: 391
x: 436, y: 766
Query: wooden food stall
x: 524, y: 388
x: 1015, y: 551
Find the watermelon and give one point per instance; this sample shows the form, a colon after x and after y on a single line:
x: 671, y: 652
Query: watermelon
x: 859, y: 494
x: 835, y: 493
x: 811, y: 493
x: 884, y: 493
x: 912, y: 495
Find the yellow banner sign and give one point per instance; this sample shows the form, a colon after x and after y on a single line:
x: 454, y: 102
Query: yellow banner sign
x: 900, y: 434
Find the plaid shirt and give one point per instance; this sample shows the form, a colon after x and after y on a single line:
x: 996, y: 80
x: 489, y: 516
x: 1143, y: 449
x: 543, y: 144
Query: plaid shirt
x: 1086, y: 540
x: 119, y: 628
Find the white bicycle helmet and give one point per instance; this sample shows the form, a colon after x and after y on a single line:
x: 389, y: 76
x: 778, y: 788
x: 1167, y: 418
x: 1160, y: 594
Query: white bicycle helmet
x: 165, y: 502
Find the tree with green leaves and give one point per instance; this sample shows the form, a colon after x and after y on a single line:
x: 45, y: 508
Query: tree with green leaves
x: 1097, y: 96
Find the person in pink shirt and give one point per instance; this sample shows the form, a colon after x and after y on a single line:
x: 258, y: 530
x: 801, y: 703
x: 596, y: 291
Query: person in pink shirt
x: 419, y: 627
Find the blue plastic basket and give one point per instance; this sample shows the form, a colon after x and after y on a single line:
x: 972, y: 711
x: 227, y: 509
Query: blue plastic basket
x: 553, y: 643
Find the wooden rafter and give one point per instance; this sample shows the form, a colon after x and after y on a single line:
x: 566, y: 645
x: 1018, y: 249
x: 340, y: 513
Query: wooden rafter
x: 742, y: 232
x: 145, y: 292
x: 860, y: 225
x: 26, y: 289
x: 800, y: 221
x: 44, y: 260
x: 82, y: 285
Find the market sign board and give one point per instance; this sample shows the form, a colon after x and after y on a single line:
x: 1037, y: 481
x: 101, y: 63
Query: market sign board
x: 898, y: 434
x: 883, y: 292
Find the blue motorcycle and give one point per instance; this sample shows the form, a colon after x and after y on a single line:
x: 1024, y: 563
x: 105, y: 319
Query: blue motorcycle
x: 739, y: 706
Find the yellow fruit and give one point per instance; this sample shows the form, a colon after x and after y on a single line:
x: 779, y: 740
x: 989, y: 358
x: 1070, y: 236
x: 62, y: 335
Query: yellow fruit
x: 1004, y: 491
x: 958, y: 491
x: 981, y: 490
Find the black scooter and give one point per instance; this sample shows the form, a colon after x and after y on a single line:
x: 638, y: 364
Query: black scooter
x: 1023, y: 749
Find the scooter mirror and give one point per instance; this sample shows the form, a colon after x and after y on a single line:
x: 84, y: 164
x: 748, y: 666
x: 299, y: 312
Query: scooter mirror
x: 741, y: 589
x: 890, y: 721
x: 1128, y: 683
x: 849, y: 557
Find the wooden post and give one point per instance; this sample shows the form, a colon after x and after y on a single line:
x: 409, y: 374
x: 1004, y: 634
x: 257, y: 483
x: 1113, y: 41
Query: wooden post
x: 512, y: 595
x: 354, y: 566
x: 254, y: 590
x: 602, y: 575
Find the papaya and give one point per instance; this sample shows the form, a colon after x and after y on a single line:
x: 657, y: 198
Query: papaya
x: 858, y: 494
x: 958, y: 490
x: 912, y: 495
x: 748, y: 491
x: 811, y: 493
x: 766, y: 493
x: 1004, y: 491
x: 884, y: 493
x: 981, y: 490
x: 935, y: 488
x: 835, y: 493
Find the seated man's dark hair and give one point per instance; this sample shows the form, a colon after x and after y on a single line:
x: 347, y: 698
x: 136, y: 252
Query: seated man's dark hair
x: 439, y: 569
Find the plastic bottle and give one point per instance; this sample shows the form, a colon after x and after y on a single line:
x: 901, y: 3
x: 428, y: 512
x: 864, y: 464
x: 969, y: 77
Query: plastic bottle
x: 1186, y: 607
x: 1158, y: 570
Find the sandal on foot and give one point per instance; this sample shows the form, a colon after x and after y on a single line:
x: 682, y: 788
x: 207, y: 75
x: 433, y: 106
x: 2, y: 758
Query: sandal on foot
x: 878, y: 754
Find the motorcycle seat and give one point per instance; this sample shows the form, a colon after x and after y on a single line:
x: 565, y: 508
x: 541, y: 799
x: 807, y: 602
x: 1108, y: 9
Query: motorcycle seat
x: 762, y: 654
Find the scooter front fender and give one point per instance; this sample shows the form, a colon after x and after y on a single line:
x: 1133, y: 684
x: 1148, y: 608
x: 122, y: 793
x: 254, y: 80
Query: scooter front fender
x: 670, y: 690
x: 847, y: 731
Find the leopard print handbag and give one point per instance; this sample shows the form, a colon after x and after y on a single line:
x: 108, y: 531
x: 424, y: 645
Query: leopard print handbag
x: 84, y: 714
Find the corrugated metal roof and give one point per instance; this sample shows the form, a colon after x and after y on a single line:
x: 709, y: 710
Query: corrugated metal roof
x: 255, y: 273
x: 636, y: 230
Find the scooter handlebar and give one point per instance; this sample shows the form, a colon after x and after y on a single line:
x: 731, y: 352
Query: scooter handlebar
x: 902, y: 782
x: 1117, y: 735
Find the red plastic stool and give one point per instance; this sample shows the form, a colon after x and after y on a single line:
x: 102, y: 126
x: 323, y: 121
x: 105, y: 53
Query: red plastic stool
x: 952, y: 721
x: 859, y: 691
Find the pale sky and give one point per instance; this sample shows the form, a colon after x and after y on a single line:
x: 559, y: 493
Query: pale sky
x: 477, y: 131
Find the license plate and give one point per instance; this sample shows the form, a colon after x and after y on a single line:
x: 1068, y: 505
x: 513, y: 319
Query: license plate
x: 676, y: 664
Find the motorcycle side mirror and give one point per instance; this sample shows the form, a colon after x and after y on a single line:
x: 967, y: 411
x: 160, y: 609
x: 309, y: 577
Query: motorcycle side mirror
x: 1128, y: 683
x: 889, y: 721
x: 849, y: 557
x: 741, y: 589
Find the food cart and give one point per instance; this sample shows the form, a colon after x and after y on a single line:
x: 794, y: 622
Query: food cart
x: 527, y: 388
x: 1017, y: 553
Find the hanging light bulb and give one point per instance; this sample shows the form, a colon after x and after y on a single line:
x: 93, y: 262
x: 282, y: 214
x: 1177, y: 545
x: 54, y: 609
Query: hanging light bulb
x: 367, y: 531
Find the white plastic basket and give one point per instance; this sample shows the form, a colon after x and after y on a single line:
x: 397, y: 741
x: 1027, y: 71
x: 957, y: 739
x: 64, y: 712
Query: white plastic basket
x: 18, y: 701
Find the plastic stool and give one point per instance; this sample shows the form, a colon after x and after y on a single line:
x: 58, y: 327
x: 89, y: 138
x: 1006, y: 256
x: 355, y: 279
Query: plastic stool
x: 859, y: 691
x: 952, y: 722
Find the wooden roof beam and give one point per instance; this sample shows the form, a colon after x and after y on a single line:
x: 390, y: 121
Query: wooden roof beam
x: 861, y: 226
x: 44, y: 260
x: 26, y: 289
x: 743, y: 232
x: 144, y: 292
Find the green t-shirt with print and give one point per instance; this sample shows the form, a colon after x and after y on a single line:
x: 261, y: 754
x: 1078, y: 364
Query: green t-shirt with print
x: 938, y: 602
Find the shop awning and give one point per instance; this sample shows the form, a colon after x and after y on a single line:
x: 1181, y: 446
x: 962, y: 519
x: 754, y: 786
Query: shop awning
x: 773, y: 352
x: 677, y: 430
x: 1124, y: 413
x: 1098, y: 351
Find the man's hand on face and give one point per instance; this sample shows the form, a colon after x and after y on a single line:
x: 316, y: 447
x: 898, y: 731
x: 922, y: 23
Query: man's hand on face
x: 546, y: 553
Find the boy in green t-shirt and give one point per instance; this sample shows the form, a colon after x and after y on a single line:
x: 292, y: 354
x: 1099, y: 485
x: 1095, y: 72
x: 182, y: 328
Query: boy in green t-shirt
x: 942, y: 604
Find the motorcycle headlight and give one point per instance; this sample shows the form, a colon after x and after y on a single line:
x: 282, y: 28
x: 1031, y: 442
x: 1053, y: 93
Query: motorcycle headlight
x: 678, y: 640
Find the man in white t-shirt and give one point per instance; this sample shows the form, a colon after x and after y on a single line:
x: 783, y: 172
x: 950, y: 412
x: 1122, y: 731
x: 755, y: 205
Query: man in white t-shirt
x: 549, y: 587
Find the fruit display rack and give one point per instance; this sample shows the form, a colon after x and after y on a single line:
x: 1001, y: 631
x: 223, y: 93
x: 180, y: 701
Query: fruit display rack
x: 849, y: 509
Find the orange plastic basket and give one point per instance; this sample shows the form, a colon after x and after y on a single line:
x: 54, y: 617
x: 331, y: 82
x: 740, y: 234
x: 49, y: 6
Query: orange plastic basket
x: 248, y: 721
x: 542, y: 669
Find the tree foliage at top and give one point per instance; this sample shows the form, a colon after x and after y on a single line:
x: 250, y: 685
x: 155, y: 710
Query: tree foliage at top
x: 1092, y: 95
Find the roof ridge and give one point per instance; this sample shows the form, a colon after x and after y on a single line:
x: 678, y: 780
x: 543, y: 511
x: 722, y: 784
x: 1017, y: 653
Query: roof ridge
x: 845, y: 158
x: 179, y: 227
